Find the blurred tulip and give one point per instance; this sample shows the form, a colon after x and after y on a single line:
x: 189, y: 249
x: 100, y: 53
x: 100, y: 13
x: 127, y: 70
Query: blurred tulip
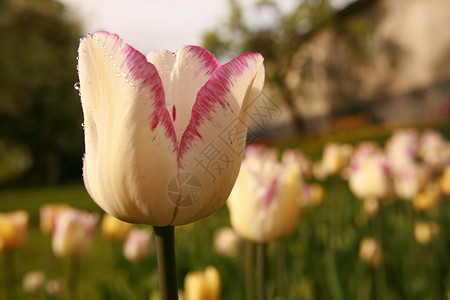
x: 74, y: 233
x: 370, y: 251
x: 33, y: 282
x: 13, y: 229
x: 424, y: 232
x: 226, y: 242
x: 138, y: 244
x: 336, y: 157
x: 434, y: 150
x: 410, y: 180
x: 202, y: 285
x: 48, y: 215
x: 402, y: 148
x: 312, y: 194
x: 158, y: 127
x: 114, y: 229
x: 370, y: 176
x: 264, y: 202
x: 445, y: 181
x: 428, y: 198
x: 298, y: 157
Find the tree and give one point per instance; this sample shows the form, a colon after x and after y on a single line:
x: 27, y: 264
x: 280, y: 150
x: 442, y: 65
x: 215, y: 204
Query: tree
x: 39, y: 107
x: 278, y: 41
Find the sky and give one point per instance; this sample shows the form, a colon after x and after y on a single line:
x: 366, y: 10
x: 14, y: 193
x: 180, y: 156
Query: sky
x: 150, y: 25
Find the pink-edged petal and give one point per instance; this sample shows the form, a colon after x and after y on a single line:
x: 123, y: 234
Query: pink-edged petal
x: 129, y: 135
x: 183, y: 74
x: 212, y: 145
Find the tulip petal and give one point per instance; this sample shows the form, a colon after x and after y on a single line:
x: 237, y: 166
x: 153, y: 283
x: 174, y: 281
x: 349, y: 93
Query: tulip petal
x: 212, y: 145
x: 183, y: 74
x: 129, y: 135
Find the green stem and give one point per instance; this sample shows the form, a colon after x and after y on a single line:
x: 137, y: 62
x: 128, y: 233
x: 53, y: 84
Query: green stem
x: 261, y: 271
x: 250, y: 270
x: 9, y: 274
x: 281, y: 278
x: 165, y: 252
x: 74, y: 278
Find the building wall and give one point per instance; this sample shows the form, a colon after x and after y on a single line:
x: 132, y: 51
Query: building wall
x: 390, y: 60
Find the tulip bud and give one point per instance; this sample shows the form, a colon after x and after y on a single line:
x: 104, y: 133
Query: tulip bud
x: 13, y: 229
x: 137, y: 244
x: 33, y: 281
x: 164, y: 132
x: 202, y: 285
x: 48, y: 215
x: 226, y: 242
x: 370, y: 251
x: 74, y: 233
x: 114, y: 229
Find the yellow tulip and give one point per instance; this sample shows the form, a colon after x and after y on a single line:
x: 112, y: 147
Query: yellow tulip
x: 165, y: 132
x: 445, y: 181
x: 370, y: 251
x: 204, y: 285
x: 428, y: 198
x: 114, y: 229
x: 424, y: 231
x: 13, y: 229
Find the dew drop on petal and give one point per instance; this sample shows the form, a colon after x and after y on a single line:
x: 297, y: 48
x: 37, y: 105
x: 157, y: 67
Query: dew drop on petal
x: 76, y: 86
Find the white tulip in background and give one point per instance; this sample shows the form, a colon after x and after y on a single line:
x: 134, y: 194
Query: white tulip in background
x: 74, y: 233
x: 264, y: 204
x: 138, y: 244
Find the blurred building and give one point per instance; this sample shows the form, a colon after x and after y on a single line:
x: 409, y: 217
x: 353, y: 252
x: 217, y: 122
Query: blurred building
x: 385, y: 61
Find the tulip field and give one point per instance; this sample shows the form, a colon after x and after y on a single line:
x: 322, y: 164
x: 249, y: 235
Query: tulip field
x: 373, y: 223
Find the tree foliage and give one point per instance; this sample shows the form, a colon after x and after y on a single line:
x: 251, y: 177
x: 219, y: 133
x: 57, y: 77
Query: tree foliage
x: 280, y: 39
x: 39, y: 107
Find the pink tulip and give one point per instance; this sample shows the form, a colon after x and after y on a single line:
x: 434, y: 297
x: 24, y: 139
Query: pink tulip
x: 165, y: 132
x: 74, y: 233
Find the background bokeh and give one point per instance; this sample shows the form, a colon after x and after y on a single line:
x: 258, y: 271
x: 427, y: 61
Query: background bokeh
x: 336, y: 72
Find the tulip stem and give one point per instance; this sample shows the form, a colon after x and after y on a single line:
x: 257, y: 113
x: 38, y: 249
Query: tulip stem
x: 73, y: 278
x: 165, y: 252
x: 9, y: 275
x: 250, y: 270
x: 261, y: 261
x: 281, y: 278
